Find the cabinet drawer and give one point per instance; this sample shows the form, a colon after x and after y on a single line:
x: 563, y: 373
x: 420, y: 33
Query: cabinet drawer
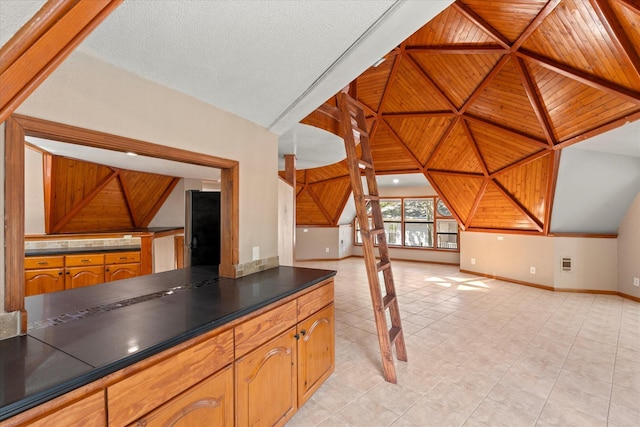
x: 43, y: 262
x: 80, y: 260
x: 146, y: 390
x: 261, y: 329
x: 121, y: 257
x: 315, y: 300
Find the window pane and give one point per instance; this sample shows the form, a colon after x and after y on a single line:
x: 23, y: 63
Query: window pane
x: 418, y: 210
x: 390, y: 210
x: 393, y: 230
x: 448, y: 241
x: 443, y: 210
x: 447, y: 226
x: 418, y: 234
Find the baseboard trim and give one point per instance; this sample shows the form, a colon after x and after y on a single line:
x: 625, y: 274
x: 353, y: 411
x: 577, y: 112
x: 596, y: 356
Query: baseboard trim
x: 554, y: 289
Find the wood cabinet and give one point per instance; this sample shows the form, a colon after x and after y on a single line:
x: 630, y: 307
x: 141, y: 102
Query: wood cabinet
x: 89, y: 411
x: 56, y: 273
x: 266, y: 382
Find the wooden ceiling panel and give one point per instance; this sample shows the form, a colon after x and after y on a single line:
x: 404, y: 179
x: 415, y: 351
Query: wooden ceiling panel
x: 73, y: 181
x: 508, y: 17
x: 569, y: 117
x: 450, y: 27
x: 528, y: 185
x: 372, y: 82
x: 107, y: 211
x: 500, y: 148
x: 410, y: 92
x: 389, y: 156
x: 326, y: 172
x: 495, y: 210
x: 458, y: 76
x: 145, y: 192
x: 504, y: 100
x: 419, y: 134
x: 629, y: 18
x: 308, y: 212
x: 332, y: 194
x: 456, y: 153
x: 574, y: 35
x: 459, y: 192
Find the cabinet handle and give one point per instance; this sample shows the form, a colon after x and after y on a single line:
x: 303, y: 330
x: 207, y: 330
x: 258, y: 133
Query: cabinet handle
x: 303, y: 332
x: 107, y: 270
x: 297, y: 336
x: 85, y: 260
x: 59, y: 273
x: 68, y: 272
x: 43, y: 262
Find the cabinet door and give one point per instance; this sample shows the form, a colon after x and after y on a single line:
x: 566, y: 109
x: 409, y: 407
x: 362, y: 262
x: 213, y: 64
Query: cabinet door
x: 209, y: 403
x: 121, y: 271
x: 87, y: 412
x: 316, y: 352
x: 77, y: 277
x: 42, y: 281
x: 266, y: 383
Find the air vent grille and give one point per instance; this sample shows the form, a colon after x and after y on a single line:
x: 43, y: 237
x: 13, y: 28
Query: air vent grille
x: 566, y: 264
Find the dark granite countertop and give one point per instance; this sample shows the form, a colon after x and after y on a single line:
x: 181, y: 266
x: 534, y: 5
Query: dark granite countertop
x: 80, y: 251
x: 80, y: 335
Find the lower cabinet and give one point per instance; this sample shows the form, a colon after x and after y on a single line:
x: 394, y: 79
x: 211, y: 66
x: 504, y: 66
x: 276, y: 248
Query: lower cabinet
x: 77, y: 277
x: 266, y: 383
x: 121, y: 271
x: 43, y: 281
x: 209, y: 403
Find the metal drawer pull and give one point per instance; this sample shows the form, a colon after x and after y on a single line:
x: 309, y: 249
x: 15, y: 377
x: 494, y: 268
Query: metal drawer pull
x: 43, y: 262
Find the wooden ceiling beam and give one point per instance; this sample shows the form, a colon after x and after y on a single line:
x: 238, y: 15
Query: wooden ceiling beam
x: 431, y: 83
x: 540, y: 17
x: 426, y: 114
x: 440, y: 194
x: 443, y: 138
x: 399, y: 141
x: 582, y: 77
x: 129, y: 202
x: 458, y: 174
x: 41, y: 45
x: 534, y: 100
x: 476, y: 149
x: 632, y: 4
x: 485, y: 83
x: 521, y: 162
x: 554, y: 166
x: 601, y: 129
x: 460, y: 49
x: 476, y: 202
x: 624, y: 46
x: 392, y: 74
x: 532, y: 219
x: 516, y: 133
x: 484, y: 25
x: 320, y: 205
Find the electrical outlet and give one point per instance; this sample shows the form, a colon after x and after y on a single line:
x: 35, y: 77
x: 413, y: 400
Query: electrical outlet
x: 500, y: 238
x: 326, y: 250
x: 636, y: 281
x: 256, y: 253
x: 473, y: 260
x: 532, y: 270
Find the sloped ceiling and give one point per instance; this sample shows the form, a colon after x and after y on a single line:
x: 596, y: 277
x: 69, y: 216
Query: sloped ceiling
x: 482, y: 100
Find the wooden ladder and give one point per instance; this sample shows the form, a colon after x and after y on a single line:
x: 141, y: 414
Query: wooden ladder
x: 352, y: 122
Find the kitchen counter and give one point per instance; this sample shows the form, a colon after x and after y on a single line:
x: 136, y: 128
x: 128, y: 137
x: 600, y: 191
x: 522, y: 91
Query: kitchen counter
x: 80, y: 250
x: 80, y: 335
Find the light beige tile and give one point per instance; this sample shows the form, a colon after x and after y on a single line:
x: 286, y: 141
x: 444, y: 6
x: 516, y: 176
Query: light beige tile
x: 566, y: 416
x: 367, y: 412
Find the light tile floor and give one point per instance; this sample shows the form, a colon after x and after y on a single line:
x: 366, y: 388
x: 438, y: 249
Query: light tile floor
x: 482, y: 352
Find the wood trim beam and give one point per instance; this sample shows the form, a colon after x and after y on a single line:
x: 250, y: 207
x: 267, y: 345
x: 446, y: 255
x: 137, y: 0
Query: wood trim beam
x: 41, y: 45
x: 399, y: 141
x: 487, y: 80
x: 392, y: 74
x: 319, y: 203
x: 443, y: 138
x: 484, y: 25
x: 610, y: 22
x: 605, y: 128
x: 440, y: 194
x: 554, y: 166
x: 631, y: 4
x: 476, y: 202
x: 129, y: 201
x: 582, y: 77
x: 476, y: 149
x: 534, y: 100
x: 460, y: 49
x: 521, y: 162
x: 229, y: 220
x: 540, y: 17
x: 427, y: 114
x: 144, y: 222
x: 290, y: 169
x: 431, y: 83
x: 533, y: 220
x: 520, y: 136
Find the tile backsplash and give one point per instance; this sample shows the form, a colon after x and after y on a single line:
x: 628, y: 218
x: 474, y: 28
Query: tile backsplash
x: 81, y: 243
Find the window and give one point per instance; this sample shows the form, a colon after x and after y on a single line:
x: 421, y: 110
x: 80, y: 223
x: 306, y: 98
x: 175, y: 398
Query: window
x: 423, y: 222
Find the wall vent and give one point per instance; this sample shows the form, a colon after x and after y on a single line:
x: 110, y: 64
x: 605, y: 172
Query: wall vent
x: 566, y: 264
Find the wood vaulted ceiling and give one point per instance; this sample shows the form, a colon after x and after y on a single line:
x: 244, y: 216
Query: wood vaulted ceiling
x: 482, y: 99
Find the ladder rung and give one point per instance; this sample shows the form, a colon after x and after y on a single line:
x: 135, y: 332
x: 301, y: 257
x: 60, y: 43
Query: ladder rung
x: 388, y: 300
x: 374, y: 197
x: 361, y: 132
x: 376, y: 231
x: 393, y: 334
x: 383, y: 265
x: 363, y: 164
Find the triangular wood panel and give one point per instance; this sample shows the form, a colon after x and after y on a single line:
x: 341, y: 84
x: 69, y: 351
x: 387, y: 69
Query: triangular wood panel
x: 331, y: 194
x: 405, y: 96
x: 582, y: 43
x: 372, y: 83
x: 144, y: 191
x: 500, y: 148
x: 307, y: 208
x: 450, y: 27
x: 459, y: 192
x: 456, y: 153
x: 107, y: 211
x: 72, y: 181
x: 419, y: 134
x: 326, y: 172
x: 388, y: 155
x: 509, y: 17
x: 629, y: 18
x: 457, y: 75
x: 570, y: 118
x: 504, y: 100
x: 528, y: 184
x: 495, y: 210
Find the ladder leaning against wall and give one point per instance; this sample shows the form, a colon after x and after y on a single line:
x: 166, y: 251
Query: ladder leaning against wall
x: 352, y: 123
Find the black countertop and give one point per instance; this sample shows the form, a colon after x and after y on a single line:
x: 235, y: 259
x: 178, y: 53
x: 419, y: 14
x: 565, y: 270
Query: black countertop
x: 80, y: 335
x: 80, y: 250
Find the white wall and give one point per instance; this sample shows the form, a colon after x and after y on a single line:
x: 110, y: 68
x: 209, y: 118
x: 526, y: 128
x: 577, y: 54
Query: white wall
x: 594, y: 266
x: 345, y: 245
x: 317, y: 243
x: 172, y: 212
x: 89, y: 93
x: 33, y: 192
x: 629, y: 250
x: 164, y: 256
x: 286, y: 223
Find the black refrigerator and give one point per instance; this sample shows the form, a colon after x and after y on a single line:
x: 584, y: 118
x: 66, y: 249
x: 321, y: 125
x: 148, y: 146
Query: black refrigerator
x: 202, y: 228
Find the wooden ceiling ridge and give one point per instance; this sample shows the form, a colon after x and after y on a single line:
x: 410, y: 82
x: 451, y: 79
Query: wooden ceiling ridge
x: 476, y: 203
x: 402, y: 144
x: 608, y: 18
x: 482, y: 24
